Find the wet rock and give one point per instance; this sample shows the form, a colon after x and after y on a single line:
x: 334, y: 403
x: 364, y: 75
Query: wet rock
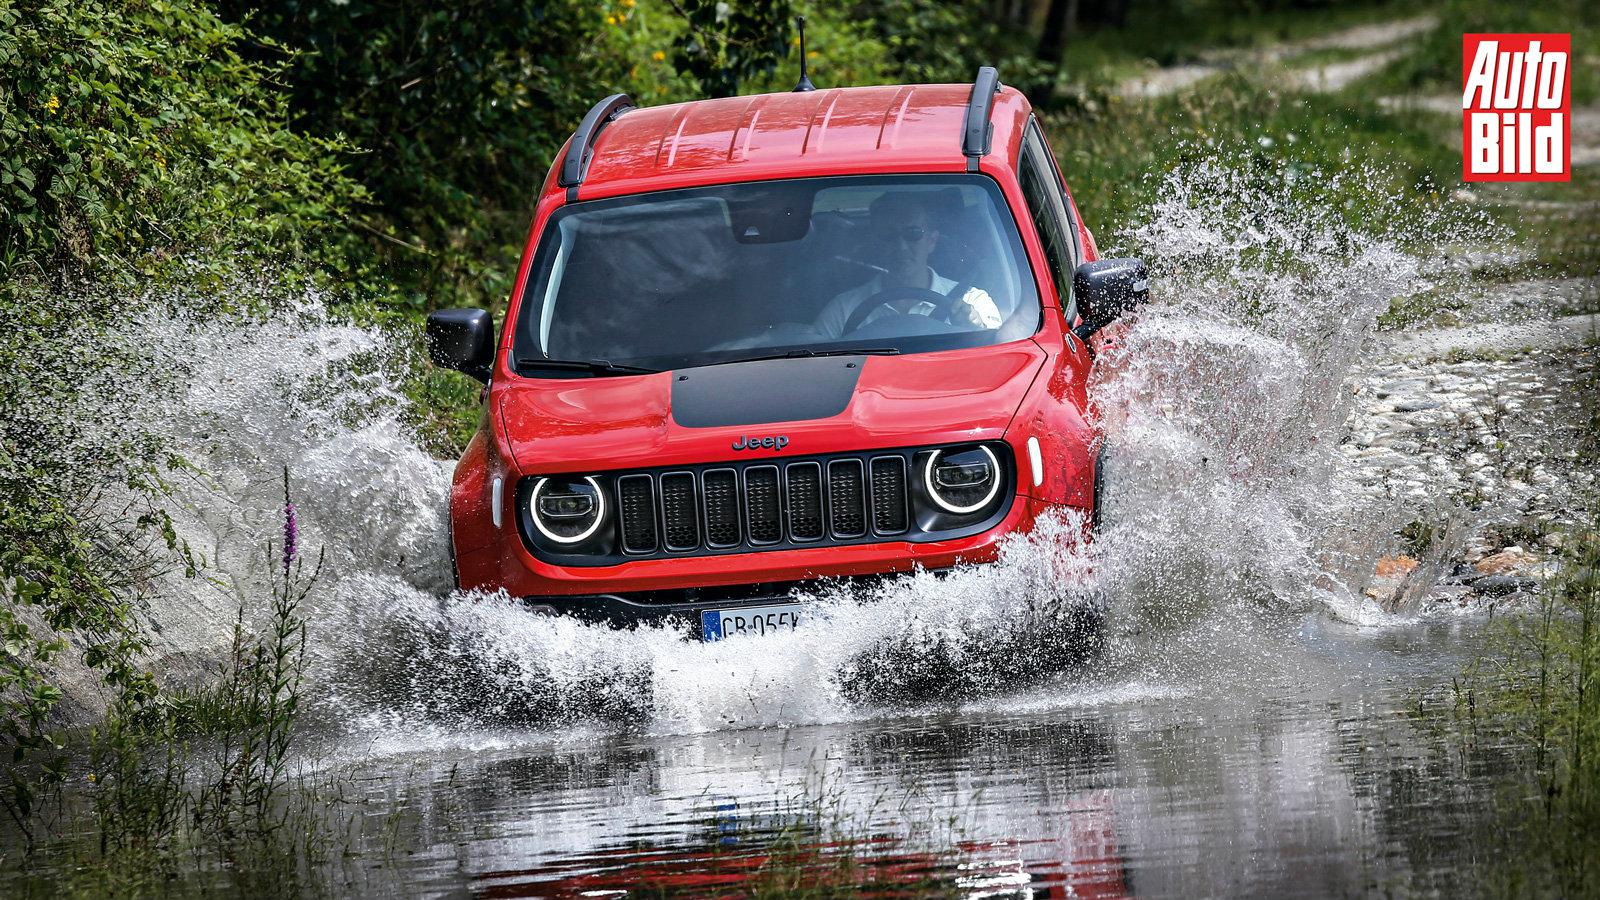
x: 1407, y: 406
x: 1385, y: 591
x: 1507, y: 560
x: 1454, y: 594
x: 1390, y: 566
x: 1499, y: 585
x: 1544, y: 571
x: 1402, y: 386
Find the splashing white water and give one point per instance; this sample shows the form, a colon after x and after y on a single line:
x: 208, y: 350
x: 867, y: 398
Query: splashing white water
x: 1227, y: 508
x: 1223, y: 406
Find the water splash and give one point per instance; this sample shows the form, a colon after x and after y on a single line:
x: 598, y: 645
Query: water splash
x: 484, y: 660
x: 1223, y: 406
x: 1228, y: 512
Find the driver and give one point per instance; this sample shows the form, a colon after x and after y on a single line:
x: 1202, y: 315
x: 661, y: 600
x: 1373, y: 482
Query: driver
x: 907, y: 236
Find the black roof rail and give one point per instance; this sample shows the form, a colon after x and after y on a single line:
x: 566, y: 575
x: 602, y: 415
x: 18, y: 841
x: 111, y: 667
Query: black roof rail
x: 975, y: 137
x: 576, y: 165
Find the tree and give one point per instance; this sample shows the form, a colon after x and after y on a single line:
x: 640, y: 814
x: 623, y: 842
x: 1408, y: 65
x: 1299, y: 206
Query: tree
x: 727, y: 43
x: 458, y: 109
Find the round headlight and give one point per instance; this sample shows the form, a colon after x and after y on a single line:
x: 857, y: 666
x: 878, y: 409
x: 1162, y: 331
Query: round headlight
x: 567, y: 510
x: 962, y: 481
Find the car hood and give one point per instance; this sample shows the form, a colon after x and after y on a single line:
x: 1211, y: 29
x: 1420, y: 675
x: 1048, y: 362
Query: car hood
x: 818, y: 405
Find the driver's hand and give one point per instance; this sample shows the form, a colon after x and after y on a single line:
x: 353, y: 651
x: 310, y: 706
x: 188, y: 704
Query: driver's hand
x: 977, y: 309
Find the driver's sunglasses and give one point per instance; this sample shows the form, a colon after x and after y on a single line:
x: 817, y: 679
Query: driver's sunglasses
x: 910, y: 234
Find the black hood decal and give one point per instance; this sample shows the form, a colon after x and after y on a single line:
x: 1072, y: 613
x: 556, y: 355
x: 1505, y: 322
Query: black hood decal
x: 764, y: 391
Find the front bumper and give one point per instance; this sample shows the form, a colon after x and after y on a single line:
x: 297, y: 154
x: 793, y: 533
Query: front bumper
x: 683, y: 607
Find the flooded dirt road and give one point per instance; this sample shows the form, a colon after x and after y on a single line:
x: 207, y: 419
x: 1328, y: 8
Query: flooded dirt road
x: 1273, y: 714
x: 1288, y: 568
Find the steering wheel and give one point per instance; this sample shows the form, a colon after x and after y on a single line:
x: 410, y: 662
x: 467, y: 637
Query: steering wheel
x: 942, y: 304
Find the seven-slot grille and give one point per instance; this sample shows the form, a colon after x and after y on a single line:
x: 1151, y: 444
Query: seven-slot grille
x: 763, y: 503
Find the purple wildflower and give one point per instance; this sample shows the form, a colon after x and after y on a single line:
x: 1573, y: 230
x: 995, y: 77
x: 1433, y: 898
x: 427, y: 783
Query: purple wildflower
x: 291, y: 528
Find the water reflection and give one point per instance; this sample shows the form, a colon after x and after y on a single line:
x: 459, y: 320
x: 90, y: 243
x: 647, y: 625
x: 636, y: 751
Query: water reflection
x: 1313, y: 790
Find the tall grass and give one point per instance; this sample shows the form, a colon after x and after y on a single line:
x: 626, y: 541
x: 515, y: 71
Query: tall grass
x: 1433, y: 65
x: 195, y: 787
x: 1538, y: 678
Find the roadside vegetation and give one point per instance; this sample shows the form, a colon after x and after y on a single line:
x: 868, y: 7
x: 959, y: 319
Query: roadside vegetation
x: 387, y: 154
x: 1537, y: 679
x: 1433, y: 64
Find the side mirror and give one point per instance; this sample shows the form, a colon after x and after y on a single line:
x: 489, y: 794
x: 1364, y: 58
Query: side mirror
x: 461, y: 339
x: 1106, y: 290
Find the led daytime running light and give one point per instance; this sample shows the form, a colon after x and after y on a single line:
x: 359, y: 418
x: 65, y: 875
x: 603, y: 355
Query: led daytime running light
x: 933, y: 487
x: 599, y: 514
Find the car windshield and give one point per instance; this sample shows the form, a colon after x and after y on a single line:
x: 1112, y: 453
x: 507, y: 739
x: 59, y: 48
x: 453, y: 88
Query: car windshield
x: 885, y: 264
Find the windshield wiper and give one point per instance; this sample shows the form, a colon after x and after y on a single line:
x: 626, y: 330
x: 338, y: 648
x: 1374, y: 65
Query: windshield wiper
x: 809, y: 354
x: 592, y: 366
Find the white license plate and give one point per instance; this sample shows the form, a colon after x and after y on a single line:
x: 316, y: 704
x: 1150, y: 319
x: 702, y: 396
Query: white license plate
x: 716, y: 624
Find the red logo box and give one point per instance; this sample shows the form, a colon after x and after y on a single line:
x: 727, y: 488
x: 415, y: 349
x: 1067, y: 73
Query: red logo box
x: 1516, y: 107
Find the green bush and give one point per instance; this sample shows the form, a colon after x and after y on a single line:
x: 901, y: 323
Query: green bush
x: 457, y: 111
x: 134, y: 132
x: 137, y: 146
x: 946, y: 42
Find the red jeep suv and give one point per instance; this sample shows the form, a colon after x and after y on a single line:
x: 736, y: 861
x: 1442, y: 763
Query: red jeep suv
x: 759, y: 341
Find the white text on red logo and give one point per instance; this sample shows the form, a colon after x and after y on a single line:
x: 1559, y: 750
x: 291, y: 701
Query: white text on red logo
x: 1515, y: 101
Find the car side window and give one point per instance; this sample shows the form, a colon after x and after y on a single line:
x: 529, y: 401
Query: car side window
x: 1049, y: 215
x: 1069, y: 216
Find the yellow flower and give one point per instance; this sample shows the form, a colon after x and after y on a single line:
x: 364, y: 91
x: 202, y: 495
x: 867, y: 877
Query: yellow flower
x: 629, y: 4
x: 611, y: 20
x: 811, y: 54
x: 658, y: 56
x: 53, y: 104
x: 91, y: 774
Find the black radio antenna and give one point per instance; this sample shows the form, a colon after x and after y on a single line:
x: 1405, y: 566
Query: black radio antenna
x: 805, y: 80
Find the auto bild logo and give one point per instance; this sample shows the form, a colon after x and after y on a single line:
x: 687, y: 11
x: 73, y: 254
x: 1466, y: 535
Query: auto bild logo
x: 1516, y: 98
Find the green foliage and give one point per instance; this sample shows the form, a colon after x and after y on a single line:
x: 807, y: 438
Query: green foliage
x: 134, y: 131
x: 136, y: 144
x: 946, y: 42
x: 202, y: 773
x: 724, y: 44
x: 1168, y: 33
x: 60, y: 575
x: 1434, y: 63
x: 1114, y: 152
x: 839, y: 53
x: 457, y: 111
x: 1539, y: 677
